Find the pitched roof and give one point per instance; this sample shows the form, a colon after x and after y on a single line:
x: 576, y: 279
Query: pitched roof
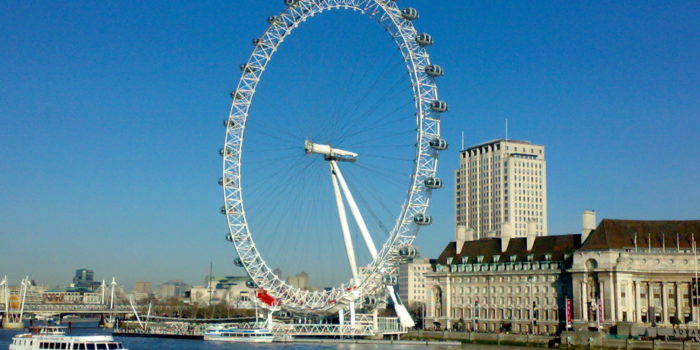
x: 558, y: 246
x: 620, y: 234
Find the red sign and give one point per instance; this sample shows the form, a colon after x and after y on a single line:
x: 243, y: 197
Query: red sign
x: 569, y: 313
x: 265, y: 298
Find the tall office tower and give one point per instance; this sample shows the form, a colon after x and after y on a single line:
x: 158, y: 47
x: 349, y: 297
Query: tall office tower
x: 501, y: 190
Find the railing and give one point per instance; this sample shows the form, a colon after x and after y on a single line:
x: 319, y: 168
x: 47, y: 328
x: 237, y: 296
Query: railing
x: 88, y: 308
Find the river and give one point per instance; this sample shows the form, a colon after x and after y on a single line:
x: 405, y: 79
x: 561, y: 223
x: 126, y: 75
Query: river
x: 133, y: 343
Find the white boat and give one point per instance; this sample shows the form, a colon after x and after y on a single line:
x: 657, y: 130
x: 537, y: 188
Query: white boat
x: 240, y: 335
x: 55, y: 338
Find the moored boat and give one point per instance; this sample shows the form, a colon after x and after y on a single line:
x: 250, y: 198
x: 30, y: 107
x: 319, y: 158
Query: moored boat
x: 53, y: 337
x: 240, y: 335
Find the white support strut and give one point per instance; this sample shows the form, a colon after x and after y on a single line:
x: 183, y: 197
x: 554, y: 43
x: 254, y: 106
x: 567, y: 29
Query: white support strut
x: 343, y: 222
x: 356, y: 212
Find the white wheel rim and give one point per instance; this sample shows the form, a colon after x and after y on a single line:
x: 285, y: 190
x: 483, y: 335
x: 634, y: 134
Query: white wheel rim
x: 387, y: 14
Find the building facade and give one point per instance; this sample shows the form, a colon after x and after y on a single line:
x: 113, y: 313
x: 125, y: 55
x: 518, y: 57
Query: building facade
x: 412, y: 289
x: 172, y: 289
x: 637, y: 271
x: 501, y: 189
x: 517, y: 285
x: 235, y: 291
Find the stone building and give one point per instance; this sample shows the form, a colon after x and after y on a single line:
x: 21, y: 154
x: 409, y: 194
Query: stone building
x: 501, y: 189
x: 636, y: 271
x: 516, y: 285
x: 412, y: 289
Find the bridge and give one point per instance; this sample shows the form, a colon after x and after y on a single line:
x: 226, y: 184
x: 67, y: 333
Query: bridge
x: 73, y: 309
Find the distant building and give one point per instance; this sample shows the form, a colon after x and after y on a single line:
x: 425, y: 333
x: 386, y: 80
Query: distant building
x: 172, y: 289
x: 85, y: 279
x: 236, y: 291
x: 300, y: 280
x: 501, y: 190
x: 145, y: 287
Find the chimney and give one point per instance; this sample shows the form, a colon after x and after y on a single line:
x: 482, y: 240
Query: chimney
x: 531, y: 235
x: 506, y: 234
x: 461, y: 237
x: 587, y: 224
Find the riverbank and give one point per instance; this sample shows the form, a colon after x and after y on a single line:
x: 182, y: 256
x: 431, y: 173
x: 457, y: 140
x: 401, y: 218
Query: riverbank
x: 572, y: 340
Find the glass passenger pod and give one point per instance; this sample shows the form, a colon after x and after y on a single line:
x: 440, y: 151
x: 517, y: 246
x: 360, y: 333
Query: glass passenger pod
x: 408, y: 252
x: 229, y: 123
x: 260, y: 42
x: 223, y: 210
x: 291, y: 3
x: 434, y: 70
x: 438, y: 143
x: 433, y: 183
x: 247, y: 68
x: 424, y: 39
x: 438, y: 106
x: 250, y: 284
x: 274, y: 20
x: 370, y: 301
x: 389, y: 280
x: 225, y: 152
x: 238, y: 262
x: 410, y: 14
x: 237, y: 95
x: 422, y: 219
x: 229, y: 237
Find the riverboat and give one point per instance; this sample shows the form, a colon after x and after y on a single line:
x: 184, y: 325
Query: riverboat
x: 240, y: 335
x: 53, y: 337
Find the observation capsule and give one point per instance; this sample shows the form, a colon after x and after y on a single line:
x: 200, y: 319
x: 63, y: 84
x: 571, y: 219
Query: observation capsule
x: 433, y: 183
x: 221, y: 181
x: 438, y: 106
x: 389, y: 280
x: 408, y: 252
x: 229, y: 123
x: 260, y: 42
x: 229, y: 237
x: 410, y: 13
x: 434, y: 70
x: 223, y: 209
x: 236, y: 95
x: 225, y: 152
x: 273, y: 20
x: 424, y: 39
x: 238, y: 262
x: 247, y: 68
x: 291, y: 2
x: 250, y: 284
x: 438, y: 143
x: 422, y: 219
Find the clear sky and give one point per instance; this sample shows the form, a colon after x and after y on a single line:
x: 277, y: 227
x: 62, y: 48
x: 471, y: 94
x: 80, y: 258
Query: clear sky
x: 110, y: 122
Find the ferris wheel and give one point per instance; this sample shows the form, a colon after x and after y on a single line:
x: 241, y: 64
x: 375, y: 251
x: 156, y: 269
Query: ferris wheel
x: 379, y: 276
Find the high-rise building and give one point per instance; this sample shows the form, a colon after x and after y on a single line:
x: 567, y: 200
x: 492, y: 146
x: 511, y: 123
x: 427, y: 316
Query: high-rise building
x: 85, y: 279
x: 501, y: 190
x: 143, y: 287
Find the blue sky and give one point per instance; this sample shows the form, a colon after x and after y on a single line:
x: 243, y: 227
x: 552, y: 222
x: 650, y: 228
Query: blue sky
x: 110, y: 119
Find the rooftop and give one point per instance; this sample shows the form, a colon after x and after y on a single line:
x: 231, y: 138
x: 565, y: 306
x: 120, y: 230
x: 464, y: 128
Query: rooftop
x: 489, y: 248
x: 620, y: 234
x: 495, y: 141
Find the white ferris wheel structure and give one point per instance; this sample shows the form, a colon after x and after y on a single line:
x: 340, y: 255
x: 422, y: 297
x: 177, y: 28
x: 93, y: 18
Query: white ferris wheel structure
x: 379, y: 277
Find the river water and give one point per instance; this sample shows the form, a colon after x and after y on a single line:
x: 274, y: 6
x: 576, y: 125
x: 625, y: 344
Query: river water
x: 133, y: 343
